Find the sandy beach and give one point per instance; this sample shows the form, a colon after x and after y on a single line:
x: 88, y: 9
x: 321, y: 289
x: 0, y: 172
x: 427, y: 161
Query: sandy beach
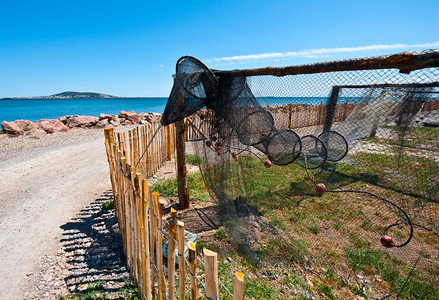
x: 44, y: 181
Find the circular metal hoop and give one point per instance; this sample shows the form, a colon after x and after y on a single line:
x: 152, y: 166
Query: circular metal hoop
x: 196, y: 78
x: 250, y: 138
x: 336, y: 145
x: 283, y: 147
x: 313, y: 154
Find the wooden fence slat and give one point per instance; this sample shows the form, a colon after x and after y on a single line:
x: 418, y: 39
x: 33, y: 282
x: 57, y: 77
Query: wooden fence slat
x: 153, y: 236
x: 181, y: 265
x: 159, y: 250
x: 238, y: 287
x: 211, y: 270
x: 193, y: 270
x: 147, y: 264
x: 171, y: 253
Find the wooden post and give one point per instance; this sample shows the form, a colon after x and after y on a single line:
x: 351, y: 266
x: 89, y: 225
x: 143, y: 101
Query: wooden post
x: 290, y: 116
x: 183, y: 189
x: 139, y: 231
x: 193, y: 269
x: 153, y: 236
x: 146, y: 262
x: 330, y: 109
x: 181, y: 265
x: 171, y: 253
x: 238, y: 289
x: 133, y: 196
x: 211, y: 269
x: 127, y: 214
x: 159, y: 250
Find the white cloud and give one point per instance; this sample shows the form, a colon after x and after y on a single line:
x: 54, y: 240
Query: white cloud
x: 324, y: 52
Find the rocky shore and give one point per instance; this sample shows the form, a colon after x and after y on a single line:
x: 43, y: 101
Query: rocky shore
x: 66, y: 123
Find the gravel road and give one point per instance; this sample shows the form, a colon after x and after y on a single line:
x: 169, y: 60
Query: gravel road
x: 44, y: 182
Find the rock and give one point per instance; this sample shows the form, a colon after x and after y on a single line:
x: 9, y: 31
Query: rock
x: 18, y: 127
x: 115, y: 121
x: 103, y: 123
x: 51, y: 126
x: 63, y: 120
x: 130, y: 116
x: 106, y: 117
x: 82, y: 121
x: 126, y: 122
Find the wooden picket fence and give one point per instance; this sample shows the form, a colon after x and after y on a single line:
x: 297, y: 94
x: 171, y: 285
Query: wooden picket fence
x: 288, y: 116
x: 133, y: 157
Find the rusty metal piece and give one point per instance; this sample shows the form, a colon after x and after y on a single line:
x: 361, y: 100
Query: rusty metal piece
x: 405, y: 62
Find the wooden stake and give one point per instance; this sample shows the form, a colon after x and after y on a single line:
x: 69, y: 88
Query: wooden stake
x: 171, y: 253
x: 181, y: 265
x: 159, y: 249
x: 145, y: 222
x: 211, y: 269
x: 153, y: 236
x: 193, y: 269
x: 238, y: 289
x: 183, y: 189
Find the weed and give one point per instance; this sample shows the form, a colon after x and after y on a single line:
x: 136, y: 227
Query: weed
x: 221, y: 234
x: 314, y: 229
x: 193, y: 159
x: 108, y: 204
x: 34, y: 137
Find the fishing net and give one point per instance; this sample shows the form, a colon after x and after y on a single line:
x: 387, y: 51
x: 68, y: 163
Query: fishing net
x: 270, y: 146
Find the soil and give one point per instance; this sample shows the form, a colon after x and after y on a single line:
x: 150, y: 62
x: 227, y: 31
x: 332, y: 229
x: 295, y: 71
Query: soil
x: 45, y: 181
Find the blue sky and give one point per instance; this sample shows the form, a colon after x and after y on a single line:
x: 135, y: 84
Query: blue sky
x: 129, y: 48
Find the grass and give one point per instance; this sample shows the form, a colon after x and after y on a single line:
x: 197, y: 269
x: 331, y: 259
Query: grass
x: 338, y: 227
x: 34, y: 137
x: 2, y: 132
x: 377, y: 262
x: 108, y: 204
x: 193, y: 159
x: 96, y: 290
x: 169, y: 188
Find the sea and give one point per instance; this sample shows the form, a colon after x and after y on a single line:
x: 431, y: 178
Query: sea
x: 37, y: 109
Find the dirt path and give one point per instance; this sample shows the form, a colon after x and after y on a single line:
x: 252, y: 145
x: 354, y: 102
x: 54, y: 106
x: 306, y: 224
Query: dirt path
x: 43, y: 183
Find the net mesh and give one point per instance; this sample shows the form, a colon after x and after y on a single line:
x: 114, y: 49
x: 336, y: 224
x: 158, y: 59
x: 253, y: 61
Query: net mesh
x: 369, y: 139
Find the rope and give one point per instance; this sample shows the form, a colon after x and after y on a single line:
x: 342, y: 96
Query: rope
x: 408, y: 220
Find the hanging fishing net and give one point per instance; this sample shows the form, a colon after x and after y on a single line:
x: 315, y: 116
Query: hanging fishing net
x: 270, y: 146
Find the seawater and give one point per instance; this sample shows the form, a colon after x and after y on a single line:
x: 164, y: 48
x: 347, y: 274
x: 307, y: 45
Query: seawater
x: 37, y: 109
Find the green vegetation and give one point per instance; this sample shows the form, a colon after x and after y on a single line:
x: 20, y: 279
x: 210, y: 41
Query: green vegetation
x: 2, y: 132
x: 377, y: 262
x: 108, y: 204
x: 169, y: 187
x: 193, y: 159
x: 96, y: 290
x: 34, y: 137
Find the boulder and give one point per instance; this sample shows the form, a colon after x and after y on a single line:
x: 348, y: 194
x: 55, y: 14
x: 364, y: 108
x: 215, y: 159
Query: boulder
x: 19, y: 127
x: 115, y: 121
x: 51, y: 126
x: 81, y: 121
x: 63, y: 119
x: 106, y: 117
x: 126, y: 122
x: 130, y: 116
x: 103, y: 123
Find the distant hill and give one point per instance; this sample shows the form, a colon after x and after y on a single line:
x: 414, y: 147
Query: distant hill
x: 68, y: 95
